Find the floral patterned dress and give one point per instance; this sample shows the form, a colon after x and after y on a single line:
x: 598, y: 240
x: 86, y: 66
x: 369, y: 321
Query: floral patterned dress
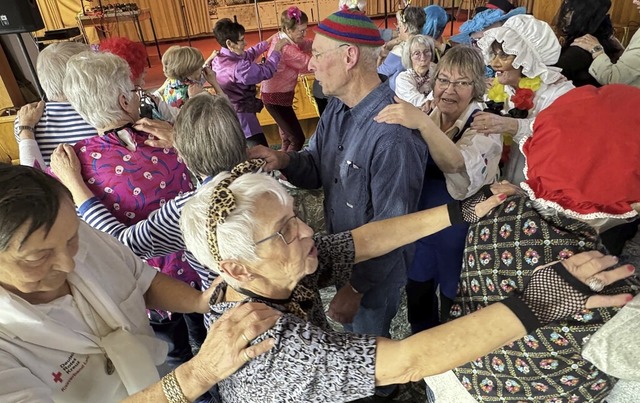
x: 502, y: 250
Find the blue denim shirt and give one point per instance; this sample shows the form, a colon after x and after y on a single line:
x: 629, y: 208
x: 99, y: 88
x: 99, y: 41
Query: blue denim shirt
x: 369, y: 171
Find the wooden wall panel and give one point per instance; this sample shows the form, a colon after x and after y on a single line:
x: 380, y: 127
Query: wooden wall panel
x: 622, y: 11
x: 10, y: 95
x: 166, y: 14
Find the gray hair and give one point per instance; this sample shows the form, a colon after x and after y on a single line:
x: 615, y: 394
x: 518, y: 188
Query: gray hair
x: 467, y: 61
x: 30, y: 198
x: 52, y: 65
x: 235, y: 235
x: 94, y: 83
x: 425, y: 40
x: 369, y: 55
x: 208, y: 135
x: 413, y: 18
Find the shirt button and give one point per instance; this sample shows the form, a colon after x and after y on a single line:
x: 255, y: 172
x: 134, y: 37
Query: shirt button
x: 340, y: 147
x: 335, y: 180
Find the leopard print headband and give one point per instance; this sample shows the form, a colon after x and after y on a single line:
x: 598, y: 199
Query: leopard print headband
x: 223, y: 203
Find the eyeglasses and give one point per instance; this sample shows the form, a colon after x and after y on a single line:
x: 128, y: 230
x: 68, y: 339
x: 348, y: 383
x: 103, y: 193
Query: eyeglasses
x: 501, y: 55
x: 316, y: 55
x: 288, y: 233
x: 424, y: 53
x: 444, y: 83
x: 138, y: 90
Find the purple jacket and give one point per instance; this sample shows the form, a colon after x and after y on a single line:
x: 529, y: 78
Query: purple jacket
x: 238, y: 76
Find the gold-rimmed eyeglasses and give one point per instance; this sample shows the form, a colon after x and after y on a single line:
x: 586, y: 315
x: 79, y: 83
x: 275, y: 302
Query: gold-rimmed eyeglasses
x: 288, y: 232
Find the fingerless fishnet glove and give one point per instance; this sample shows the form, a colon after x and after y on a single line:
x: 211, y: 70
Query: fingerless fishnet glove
x: 551, y: 294
x: 465, y: 210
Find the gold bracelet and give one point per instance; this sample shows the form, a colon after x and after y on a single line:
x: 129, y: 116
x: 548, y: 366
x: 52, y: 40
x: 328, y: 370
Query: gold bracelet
x: 172, y: 390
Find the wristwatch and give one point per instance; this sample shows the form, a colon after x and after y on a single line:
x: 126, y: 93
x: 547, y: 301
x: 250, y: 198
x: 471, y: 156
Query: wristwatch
x: 25, y: 127
x: 596, y: 49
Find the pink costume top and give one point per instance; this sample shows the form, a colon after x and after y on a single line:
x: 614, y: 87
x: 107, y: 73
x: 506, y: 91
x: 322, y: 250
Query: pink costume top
x: 294, y: 60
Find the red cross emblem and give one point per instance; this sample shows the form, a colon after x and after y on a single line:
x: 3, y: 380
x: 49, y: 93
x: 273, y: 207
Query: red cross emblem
x: 57, y: 377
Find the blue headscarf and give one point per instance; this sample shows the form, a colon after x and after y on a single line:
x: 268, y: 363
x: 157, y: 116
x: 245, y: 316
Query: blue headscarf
x: 436, y: 21
x: 482, y: 21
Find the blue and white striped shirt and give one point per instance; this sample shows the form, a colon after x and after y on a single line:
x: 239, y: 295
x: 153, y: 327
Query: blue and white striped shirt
x: 60, y: 123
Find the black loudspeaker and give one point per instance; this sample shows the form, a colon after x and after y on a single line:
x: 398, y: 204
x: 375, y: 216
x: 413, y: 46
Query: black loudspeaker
x: 18, y: 16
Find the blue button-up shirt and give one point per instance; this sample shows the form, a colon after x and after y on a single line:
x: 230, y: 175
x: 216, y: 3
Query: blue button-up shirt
x: 369, y: 171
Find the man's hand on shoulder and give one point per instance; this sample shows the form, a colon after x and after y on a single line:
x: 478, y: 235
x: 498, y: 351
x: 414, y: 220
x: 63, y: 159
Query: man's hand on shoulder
x: 345, y: 304
x: 273, y: 159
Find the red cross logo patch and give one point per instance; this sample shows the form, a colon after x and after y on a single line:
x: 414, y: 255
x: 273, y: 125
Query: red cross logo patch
x: 57, y: 377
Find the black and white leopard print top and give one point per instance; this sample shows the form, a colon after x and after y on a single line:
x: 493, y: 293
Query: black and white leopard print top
x: 309, y: 362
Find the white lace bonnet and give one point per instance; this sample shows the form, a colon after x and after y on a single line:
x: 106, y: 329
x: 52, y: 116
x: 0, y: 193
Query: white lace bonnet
x: 532, y: 41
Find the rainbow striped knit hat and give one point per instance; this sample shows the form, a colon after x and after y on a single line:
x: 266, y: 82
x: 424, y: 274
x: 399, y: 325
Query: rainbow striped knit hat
x: 350, y: 26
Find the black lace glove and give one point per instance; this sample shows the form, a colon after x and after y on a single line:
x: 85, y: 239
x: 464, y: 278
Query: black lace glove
x: 461, y: 211
x: 552, y: 294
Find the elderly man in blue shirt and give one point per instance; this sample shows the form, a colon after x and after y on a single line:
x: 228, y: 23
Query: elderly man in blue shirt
x: 369, y: 171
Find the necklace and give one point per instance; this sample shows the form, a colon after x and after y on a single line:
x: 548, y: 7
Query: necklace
x: 522, y: 99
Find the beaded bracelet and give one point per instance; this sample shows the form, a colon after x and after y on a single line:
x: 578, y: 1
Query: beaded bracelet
x: 172, y: 390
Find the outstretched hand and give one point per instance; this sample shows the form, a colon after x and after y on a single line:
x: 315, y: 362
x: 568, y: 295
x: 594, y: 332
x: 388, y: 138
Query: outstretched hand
x: 405, y: 114
x: 344, y: 305
x: 66, y: 165
x: 273, y: 159
x: 490, y: 123
x: 30, y: 115
x: 227, y: 346
x: 500, y: 190
x: 161, y: 132
x: 586, y: 42
x: 589, y: 265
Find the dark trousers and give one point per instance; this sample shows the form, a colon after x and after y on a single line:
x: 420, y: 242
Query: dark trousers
x: 184, y: 332
x: 423, y: 309
x: 290, y: 130
x: 615, y: 238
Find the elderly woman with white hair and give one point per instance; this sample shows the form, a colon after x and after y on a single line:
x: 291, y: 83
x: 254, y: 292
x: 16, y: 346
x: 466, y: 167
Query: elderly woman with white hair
x: 264, y: 252
x: 132, y: 179
x: 522, y: 53
x: 40, y: 127
x: 414, y: 84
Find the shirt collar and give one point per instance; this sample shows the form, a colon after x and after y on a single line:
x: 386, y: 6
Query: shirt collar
x: 228, y: 53
x: 361, y: 113
x: 460, y: 122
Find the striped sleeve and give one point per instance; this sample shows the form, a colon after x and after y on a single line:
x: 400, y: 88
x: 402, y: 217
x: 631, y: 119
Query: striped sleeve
x: 157, y: 236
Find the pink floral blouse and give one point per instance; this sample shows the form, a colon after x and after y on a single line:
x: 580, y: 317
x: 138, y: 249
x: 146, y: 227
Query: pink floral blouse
x: 132, y: 180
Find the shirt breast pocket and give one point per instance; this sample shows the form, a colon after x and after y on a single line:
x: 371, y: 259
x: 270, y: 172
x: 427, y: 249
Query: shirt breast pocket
x: 352, y: 178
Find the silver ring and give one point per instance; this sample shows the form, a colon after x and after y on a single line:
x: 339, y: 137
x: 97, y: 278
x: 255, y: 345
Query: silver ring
x: 246, y: 356
x: 595, y: 283
x: 245, y: 338
x: 485, y: 127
